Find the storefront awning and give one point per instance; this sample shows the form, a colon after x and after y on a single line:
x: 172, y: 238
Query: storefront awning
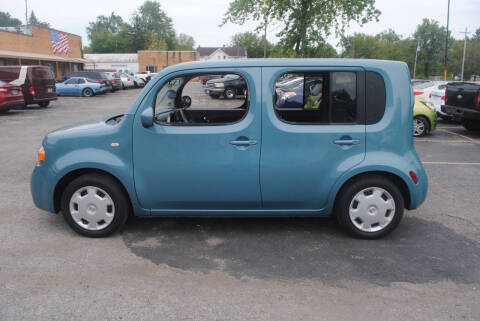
x: 35, y: 56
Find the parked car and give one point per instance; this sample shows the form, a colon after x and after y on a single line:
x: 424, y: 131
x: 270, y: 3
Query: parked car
x: 166, y: 158
x: 116, y: 81
x: 422, y: 90
x: 37, y: 83
x: 229, y: 87
x: 80, y: 86
x: 11, y: 96
x: 94, y: 75
x: 127, y: 80
x: 463, y: 103
x: 415, y: 82
x: 437, y: 99
x: 206, y: 78
x: 139, y: 80
x: 424, y: 118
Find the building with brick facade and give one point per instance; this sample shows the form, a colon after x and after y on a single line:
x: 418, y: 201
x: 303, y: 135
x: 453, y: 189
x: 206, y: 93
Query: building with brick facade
x: 34, y: 45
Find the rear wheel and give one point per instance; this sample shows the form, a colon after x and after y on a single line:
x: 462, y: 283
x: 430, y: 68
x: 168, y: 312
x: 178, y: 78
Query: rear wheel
x: 472, y: 125
x: 44, y: 104
x: 369, y: 207
x: 94, y: 205
x: 421, y: 126
x: 87, y: 92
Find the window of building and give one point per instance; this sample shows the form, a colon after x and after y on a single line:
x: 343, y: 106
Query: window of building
x: 316, y: 97
x: 151, y: 68
x: 206, y: 99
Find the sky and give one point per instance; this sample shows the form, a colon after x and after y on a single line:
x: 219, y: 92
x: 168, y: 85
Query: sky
x: 201, y: 18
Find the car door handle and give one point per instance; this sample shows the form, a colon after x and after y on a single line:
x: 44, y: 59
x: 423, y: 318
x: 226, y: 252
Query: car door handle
x: 243, y: 142
x: 346, y: 142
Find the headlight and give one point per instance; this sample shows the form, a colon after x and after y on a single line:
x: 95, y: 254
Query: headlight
x: 219, y: 84
x: 41, y: 155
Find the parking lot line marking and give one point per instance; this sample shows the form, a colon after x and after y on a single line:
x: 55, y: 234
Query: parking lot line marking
x: 443, y: 140
x: 459, y: 135
x: 450, y: 163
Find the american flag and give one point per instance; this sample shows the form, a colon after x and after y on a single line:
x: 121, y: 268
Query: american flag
x: 59, y: 42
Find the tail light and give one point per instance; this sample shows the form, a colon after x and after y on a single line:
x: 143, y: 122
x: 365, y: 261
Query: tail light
x: 101, y: 79
x: 416, y: 93
x: 430, y: 95
x: 3, y: 90
x: 478, y: 99
x: 444, y: 95
x: 128, y: 79
x: 31, y: 90
x: 112, y: 82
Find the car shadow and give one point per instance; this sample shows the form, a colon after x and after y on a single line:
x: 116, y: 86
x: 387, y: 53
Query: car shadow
x: 419, y: 251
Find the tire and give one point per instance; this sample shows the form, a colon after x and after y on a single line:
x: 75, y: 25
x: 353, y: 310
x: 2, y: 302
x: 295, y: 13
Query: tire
x: 376, y: 195
x: 44, y: 104
x: 471, y: 125
x: 229, y: 93
x: 421, y: 126
x: 87, y: 92
x: 123, y: 86
x: 115, y: 200
x: 214, y: 96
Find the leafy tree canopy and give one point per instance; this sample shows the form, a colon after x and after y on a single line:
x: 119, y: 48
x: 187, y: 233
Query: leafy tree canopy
x: 252, y: 42
x: 8, y: 21
x: 33, y: 20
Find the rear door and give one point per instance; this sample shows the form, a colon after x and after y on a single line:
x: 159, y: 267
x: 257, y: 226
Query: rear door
x: 43, y: 83
x: 306, y: 149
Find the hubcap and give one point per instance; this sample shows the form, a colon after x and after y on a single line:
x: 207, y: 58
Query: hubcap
x: 372, y: 209
x: 418, y: 127
x: 92, y: 208
x: 229, y: 93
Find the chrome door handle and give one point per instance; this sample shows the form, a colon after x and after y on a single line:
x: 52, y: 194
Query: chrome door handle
x: 346, y: 142
x: 243, y: 142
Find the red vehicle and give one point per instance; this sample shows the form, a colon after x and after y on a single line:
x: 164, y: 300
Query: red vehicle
x: 10, y: 96
x: 37, y: 83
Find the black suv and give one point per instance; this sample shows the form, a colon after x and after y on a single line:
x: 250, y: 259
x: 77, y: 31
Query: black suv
x: 229, y: 87
x: 101, y: 77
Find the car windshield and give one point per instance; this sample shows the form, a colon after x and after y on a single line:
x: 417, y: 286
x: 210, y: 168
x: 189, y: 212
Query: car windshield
x: 423, y: 85
x: 231, y: 76
x: 2, y: 83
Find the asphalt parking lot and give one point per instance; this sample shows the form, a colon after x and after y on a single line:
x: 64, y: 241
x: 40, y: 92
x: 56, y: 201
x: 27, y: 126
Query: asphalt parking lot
x: 237, y: 269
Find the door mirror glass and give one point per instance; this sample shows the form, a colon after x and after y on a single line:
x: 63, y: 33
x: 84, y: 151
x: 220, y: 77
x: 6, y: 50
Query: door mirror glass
x: 147, y: 117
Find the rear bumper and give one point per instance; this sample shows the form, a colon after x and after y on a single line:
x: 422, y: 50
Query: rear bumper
x: 11, y: 104
x: 461, y: 112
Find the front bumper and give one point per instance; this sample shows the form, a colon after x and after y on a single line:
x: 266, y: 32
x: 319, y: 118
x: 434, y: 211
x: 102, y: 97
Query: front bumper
x: 213, y: 90
x: 461, y: 112
x: 42, y: 185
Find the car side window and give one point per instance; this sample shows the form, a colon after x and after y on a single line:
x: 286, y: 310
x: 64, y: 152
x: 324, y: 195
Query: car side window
x: 71, y: 81
x: 81, y: 81
x: 202, y: 99
x: 316, y: 97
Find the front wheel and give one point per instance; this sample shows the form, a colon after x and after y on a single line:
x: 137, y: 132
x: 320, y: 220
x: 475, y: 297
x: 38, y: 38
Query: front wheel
x: 94, y: 205
x: 421, y: 127
x: 471, y: 125
x: 87, y: 92
x: 369, y: 207
x: 229, y: 93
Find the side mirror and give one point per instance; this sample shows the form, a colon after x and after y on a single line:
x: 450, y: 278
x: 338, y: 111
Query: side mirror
x: 171, y: 94
x: 146, y: 117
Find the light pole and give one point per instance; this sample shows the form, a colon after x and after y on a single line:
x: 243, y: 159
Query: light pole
x: 416, y: 56
x: 464, y: 50
x: 446, y: 45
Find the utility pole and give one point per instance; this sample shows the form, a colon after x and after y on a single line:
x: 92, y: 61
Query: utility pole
x: 265, y: 39
x: 26, y: 15
x: 416, y: 56
x: 464, y: 50
x: 446, y: 45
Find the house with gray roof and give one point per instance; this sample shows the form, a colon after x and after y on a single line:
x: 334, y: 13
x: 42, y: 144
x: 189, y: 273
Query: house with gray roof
x: 221, y: 53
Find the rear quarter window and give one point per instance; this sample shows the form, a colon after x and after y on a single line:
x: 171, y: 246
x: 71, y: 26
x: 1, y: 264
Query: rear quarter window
x: 9, y: 74
x: 375, y: 97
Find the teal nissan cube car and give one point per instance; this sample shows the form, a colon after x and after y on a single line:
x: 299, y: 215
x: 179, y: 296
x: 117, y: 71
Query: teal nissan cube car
x: 342, y: 147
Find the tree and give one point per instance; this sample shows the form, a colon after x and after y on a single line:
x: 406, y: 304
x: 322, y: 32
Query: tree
x: 8, y: 21
x: 307, y: 22
x: 184, y: 42
x: 431, y: 38
x: 252, y: 42
x: 150, y: 18
x: 34, y: 21
x: 112, y: 24
x: 109, y: 34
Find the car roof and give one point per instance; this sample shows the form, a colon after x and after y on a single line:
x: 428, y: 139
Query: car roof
x: 283, y: 62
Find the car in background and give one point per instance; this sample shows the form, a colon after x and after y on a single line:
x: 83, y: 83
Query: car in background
x: 422, y: 90
x: 127, y: 80
x: 205, y: 78
x: 80, y: 86
x: 94, y: 75
x: 462, y: 103
x: 117, y: 81
x: 418, y: 81
x: 11, y: 96
x: 37, y: 83
x: 229, y: 87
x: 424, y: 118
x: 139, y: 80
x: 437, y: 99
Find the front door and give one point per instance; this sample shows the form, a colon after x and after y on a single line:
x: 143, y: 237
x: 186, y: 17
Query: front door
x: 202, y: 154
x: 313, y: 132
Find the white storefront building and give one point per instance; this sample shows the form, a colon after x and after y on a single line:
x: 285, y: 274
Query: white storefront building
x: 112, y: 61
